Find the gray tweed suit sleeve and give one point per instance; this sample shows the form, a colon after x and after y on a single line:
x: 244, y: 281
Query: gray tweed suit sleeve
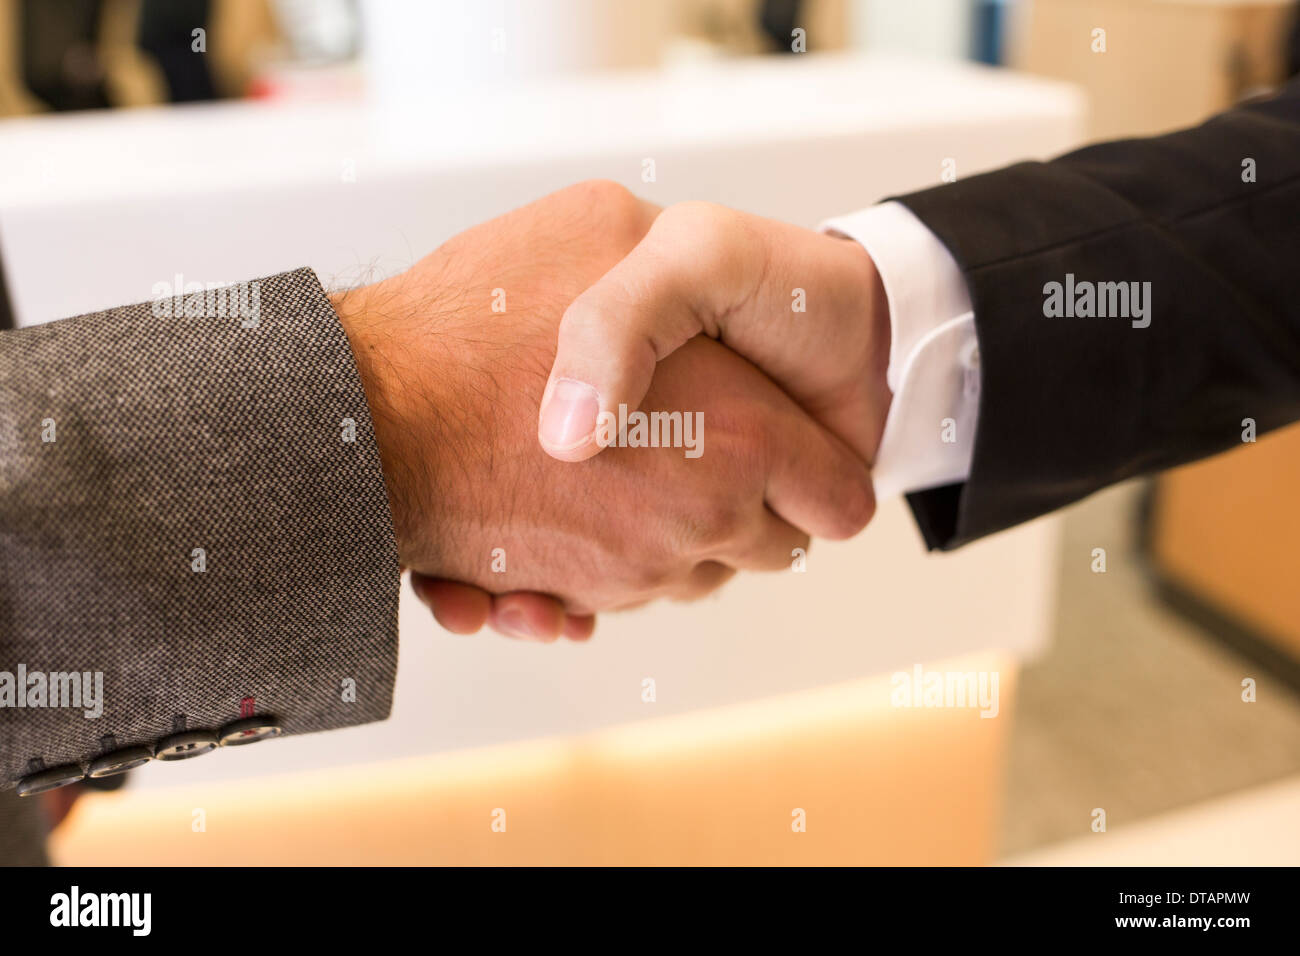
x: 193, y: 507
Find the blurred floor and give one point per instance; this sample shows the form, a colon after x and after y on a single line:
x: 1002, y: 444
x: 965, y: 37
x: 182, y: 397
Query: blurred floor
x: 1134, y: 709
x: 1256, y: 827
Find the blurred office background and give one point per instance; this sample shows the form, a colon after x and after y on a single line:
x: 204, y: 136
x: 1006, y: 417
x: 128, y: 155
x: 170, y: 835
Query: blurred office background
x: 1182, y: 56
x: 1162, y: 687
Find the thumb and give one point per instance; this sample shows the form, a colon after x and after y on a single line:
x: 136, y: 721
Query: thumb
x: 640, y: 312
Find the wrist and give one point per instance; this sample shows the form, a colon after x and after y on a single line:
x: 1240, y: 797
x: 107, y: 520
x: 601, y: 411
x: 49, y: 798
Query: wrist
x: 364, y: 322
x: 873, y: 308
x: 877, y: 306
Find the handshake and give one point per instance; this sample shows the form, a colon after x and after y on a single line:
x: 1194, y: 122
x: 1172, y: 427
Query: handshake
x: 708, y: 391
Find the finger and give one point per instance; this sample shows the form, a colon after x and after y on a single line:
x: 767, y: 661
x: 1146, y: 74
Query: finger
x: 768, y: 544
x: 814, y: 480
x: 805, y: 474
x: 460, y: 608
x: 695, y: 259
x: 705, y: 578
x: 528, y: 616
x: 579, y: 627
x: 464, y: 609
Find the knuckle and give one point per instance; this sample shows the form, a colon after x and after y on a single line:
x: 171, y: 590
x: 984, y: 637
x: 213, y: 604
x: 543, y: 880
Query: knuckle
x: 705, y: 578
x: 715, y: 523
x: 616, y: 206
x: 604, y: 191
x: 649, y: 579
x: 612, y: 191
x: 712, y: 243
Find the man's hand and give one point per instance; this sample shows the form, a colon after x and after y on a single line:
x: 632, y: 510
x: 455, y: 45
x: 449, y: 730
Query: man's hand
x: 705, y: 270
x: 454, y: 384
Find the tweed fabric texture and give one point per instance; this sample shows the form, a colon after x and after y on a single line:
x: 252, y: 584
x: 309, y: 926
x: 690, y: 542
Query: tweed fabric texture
x: 176, y: 434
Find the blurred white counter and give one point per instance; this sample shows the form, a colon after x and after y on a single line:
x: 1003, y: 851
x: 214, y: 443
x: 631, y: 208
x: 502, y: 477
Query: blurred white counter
x: 96, y: 208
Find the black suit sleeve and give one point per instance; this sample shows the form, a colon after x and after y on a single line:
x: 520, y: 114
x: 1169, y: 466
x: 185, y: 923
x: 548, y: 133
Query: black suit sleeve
x: 1210, y: 217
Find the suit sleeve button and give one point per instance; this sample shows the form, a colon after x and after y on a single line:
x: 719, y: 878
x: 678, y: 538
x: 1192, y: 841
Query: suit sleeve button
x: 50, y: 779
x: 187, y: 744
x: 249, y: 731
x: 119, y: 761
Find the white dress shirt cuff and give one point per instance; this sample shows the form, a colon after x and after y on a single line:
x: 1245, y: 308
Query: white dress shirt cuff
x: 933, y: 352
